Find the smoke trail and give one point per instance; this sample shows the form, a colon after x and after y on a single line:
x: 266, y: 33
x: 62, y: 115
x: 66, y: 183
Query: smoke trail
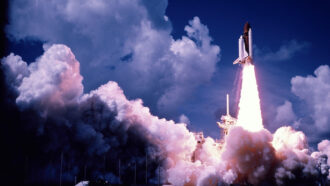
x: 249, y: 113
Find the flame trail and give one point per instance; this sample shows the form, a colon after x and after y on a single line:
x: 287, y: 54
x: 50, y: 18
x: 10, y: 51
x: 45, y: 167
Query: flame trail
x: 249, y: 113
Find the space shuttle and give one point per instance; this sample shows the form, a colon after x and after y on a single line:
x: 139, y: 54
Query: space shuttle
x: 245, y: 46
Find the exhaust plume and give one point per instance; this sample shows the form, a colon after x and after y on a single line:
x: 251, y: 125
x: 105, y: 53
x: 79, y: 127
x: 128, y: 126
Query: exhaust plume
x: 249, y: 112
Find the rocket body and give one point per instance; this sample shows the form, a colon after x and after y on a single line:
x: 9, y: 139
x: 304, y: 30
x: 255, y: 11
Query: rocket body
x: 245, y: 46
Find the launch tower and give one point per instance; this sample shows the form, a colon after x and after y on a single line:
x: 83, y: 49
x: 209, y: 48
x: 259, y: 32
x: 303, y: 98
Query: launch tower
x: 227, y: 121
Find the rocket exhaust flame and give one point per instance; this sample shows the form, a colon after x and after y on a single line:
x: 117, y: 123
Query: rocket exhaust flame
x: 249, y: 113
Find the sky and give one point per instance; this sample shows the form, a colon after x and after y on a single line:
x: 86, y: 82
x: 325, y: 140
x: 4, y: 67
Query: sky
x: 275, y: 24
x: 289, y: 39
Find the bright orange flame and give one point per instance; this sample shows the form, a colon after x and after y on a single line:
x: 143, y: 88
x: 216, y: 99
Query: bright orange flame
x: 249, y: 113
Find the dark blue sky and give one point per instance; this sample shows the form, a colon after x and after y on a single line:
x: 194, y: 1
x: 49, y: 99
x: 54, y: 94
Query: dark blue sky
x: 275, y: 24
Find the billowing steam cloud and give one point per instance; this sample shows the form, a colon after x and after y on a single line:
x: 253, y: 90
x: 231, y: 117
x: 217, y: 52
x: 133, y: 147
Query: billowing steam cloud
x: 104, y: 135
x: 102, y: 123
x: 112, y: 38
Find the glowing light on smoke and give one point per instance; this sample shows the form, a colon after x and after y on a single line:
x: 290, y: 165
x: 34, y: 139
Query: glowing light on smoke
x: 249, y: 113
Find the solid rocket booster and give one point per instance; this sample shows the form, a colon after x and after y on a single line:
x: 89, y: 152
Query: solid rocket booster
x: 245, y: 46
x: 250, y: 43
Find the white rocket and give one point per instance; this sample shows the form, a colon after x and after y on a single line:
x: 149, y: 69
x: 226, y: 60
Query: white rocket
x: 245, y: 46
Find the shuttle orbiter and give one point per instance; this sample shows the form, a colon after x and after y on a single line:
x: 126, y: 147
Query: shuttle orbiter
x: 245, y: 46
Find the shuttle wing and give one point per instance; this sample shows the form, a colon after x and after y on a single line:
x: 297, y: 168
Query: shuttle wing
x: 237, y: 61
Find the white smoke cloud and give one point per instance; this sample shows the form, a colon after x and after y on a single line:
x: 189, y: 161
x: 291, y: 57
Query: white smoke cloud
x: 128, y: 37
x: 292, y: 150
x: 285, y: 114
x: 324, y: 147
x: 174, y: 139
x: 184, y: 119
x: 281, y: 158
x: 249, y: 156
x: 104, y: 119
x: 323, y: 157
x: 315, y: 91
x: 54, y: 79
x: 194, y: 59
x: 15, y: 68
